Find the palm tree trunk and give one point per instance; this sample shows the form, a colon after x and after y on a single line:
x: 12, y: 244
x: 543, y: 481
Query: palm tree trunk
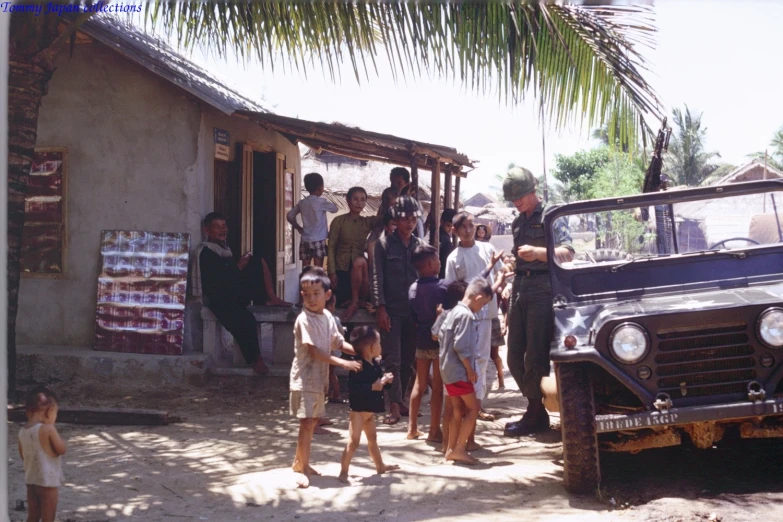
x: 30, y: 68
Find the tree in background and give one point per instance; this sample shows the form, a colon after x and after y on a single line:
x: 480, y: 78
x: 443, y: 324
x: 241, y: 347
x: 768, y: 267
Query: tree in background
x: 575, y: 173
x: 578, y: 61
x: 773, y: 157
x: 620, y: 175
x: 687, y: 161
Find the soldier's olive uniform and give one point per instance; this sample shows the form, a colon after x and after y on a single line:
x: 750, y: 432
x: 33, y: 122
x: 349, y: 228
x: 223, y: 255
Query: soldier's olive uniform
x: 531, y: 319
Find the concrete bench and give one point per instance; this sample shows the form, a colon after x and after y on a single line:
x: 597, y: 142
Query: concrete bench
x: 224, y: 351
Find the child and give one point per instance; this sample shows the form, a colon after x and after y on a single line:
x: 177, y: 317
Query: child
x: 41, y: 447
x: 425, y: 295
x: 366, y: 399
x: 313, y: 208
x: 498, y: 340
x: 455, y: 293
x: 446, y: 227
x: 315, y: 336
x: 466, y: 262
x: 458, y: 367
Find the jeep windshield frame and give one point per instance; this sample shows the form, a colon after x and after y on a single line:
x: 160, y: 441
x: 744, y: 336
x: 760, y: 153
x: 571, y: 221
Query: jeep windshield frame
x: 670, y: 273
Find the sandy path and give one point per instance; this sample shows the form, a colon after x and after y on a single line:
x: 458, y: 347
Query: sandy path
x: 230, y: 460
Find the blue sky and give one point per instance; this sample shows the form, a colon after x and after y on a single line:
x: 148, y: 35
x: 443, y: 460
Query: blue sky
x: 721, y: 58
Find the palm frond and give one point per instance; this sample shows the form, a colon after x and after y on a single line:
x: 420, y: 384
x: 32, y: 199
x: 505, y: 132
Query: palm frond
x: 581, y: 62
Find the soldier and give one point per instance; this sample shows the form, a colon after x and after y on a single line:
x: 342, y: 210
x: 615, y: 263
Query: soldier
x: 531, y: 320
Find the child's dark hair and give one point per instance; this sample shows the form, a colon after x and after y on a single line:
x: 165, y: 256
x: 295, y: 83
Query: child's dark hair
x: 363, y: 337
x: 454, y: 294
x: 422, y: 254
x: 39, y: 398
x: 479, y: 286
x: 315, y: 275
x: 313, y: 182
x: 460, y: 218
x: 401, y: 172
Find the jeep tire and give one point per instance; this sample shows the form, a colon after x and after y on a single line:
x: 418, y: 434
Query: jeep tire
x: 577, y: 419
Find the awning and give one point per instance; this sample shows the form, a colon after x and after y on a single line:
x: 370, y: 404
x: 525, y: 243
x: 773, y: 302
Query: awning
x: 365, y: 145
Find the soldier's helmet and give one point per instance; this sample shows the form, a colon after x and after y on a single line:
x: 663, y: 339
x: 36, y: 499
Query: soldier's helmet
x: 519, y: 182
x: 406, y: 206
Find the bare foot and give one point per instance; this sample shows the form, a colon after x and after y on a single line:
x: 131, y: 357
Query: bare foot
x: 343, y: 477
x: 312, y: 471
x: 323, y: 421
x: 387, y: 467
x: 442, y: 449
x: 391, y: 419
x: 486, y: 416
x: 473, y: 446
x: 320, y: 431
x: 350, y: 310
x: 302, y: 481
x: 435, y: 437
x: 415, y: 434
x: 462, y: 456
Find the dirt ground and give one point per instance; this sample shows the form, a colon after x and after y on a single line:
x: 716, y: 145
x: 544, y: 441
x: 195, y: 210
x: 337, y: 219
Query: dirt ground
x: 230, y: 460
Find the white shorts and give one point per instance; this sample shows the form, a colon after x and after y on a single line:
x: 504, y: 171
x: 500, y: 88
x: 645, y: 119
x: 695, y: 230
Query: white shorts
x: 482, y: 357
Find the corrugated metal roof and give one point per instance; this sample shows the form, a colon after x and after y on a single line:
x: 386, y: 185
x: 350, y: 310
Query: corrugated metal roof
x: 158, y: 57
x: 359, y: 143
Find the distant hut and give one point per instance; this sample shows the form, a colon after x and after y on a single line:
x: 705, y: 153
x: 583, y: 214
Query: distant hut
x: 341, y: 173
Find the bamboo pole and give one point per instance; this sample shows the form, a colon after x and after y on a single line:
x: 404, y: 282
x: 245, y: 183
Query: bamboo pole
x: 414, y: 178
x: 447, y: 191
x: 435, y: 205
x: 456, y: 194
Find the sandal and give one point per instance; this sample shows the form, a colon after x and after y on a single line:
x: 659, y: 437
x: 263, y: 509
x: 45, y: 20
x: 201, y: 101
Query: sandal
x: 391, y: 420
x: 485, y: 416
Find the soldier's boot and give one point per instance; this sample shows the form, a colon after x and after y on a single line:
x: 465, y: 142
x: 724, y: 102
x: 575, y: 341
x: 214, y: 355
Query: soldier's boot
x: 535, y: 420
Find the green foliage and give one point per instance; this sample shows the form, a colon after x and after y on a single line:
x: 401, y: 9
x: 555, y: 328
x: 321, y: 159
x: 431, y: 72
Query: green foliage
x: 576, y: 172
x: 774, y: 158
x: 579, y: 61
x: 619, y: 176
x: 687, y: 161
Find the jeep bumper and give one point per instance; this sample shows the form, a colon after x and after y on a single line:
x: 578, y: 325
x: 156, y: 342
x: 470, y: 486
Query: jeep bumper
x: 687, y: 415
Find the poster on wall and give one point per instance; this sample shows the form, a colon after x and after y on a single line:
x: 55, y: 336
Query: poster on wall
x: 43, y: 235
x: 141, y: 292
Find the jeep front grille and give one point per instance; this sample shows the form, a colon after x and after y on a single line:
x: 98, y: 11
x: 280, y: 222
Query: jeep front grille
x: 705, y: 361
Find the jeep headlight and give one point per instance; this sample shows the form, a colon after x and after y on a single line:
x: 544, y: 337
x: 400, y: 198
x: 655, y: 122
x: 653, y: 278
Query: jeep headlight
x: 629, y: 343
x: 771, y: 327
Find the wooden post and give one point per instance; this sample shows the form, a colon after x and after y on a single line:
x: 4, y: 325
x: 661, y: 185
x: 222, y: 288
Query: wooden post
x: 456, y: 194
x: 435, y: 205
x: 447, y: 191
x: 414, y: 191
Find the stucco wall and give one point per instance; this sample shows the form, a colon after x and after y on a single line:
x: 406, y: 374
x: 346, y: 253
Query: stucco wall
x: 139, y: 158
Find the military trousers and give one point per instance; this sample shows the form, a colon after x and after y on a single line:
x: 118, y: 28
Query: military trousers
x: 530, y: 331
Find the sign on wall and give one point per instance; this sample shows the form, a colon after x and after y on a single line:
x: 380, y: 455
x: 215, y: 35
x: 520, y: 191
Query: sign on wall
x: 141, y: 292
x: 222, y: 142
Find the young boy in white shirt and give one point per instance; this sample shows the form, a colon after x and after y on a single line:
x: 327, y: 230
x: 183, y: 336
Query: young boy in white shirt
x: 313, y: 229
x: 315, y: 337
x: 466, y: 262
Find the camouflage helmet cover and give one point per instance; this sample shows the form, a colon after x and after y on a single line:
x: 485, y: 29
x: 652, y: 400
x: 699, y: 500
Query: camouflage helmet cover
x: 519, y: 182
x: 406, y: 206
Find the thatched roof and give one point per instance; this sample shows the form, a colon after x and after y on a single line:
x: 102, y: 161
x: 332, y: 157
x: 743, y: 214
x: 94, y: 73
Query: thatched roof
x: 752, y: 171
x: 341, y: 173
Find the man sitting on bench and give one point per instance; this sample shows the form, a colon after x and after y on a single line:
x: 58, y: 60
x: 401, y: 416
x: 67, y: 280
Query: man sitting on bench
x: 229, y: 286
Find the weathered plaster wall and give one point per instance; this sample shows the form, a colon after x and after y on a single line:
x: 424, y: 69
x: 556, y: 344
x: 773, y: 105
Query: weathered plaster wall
x: 131, y: 138
x: 140, y: 157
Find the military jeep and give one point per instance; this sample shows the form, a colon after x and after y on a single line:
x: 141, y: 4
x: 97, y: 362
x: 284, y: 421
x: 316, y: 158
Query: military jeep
x: 677, y: 336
